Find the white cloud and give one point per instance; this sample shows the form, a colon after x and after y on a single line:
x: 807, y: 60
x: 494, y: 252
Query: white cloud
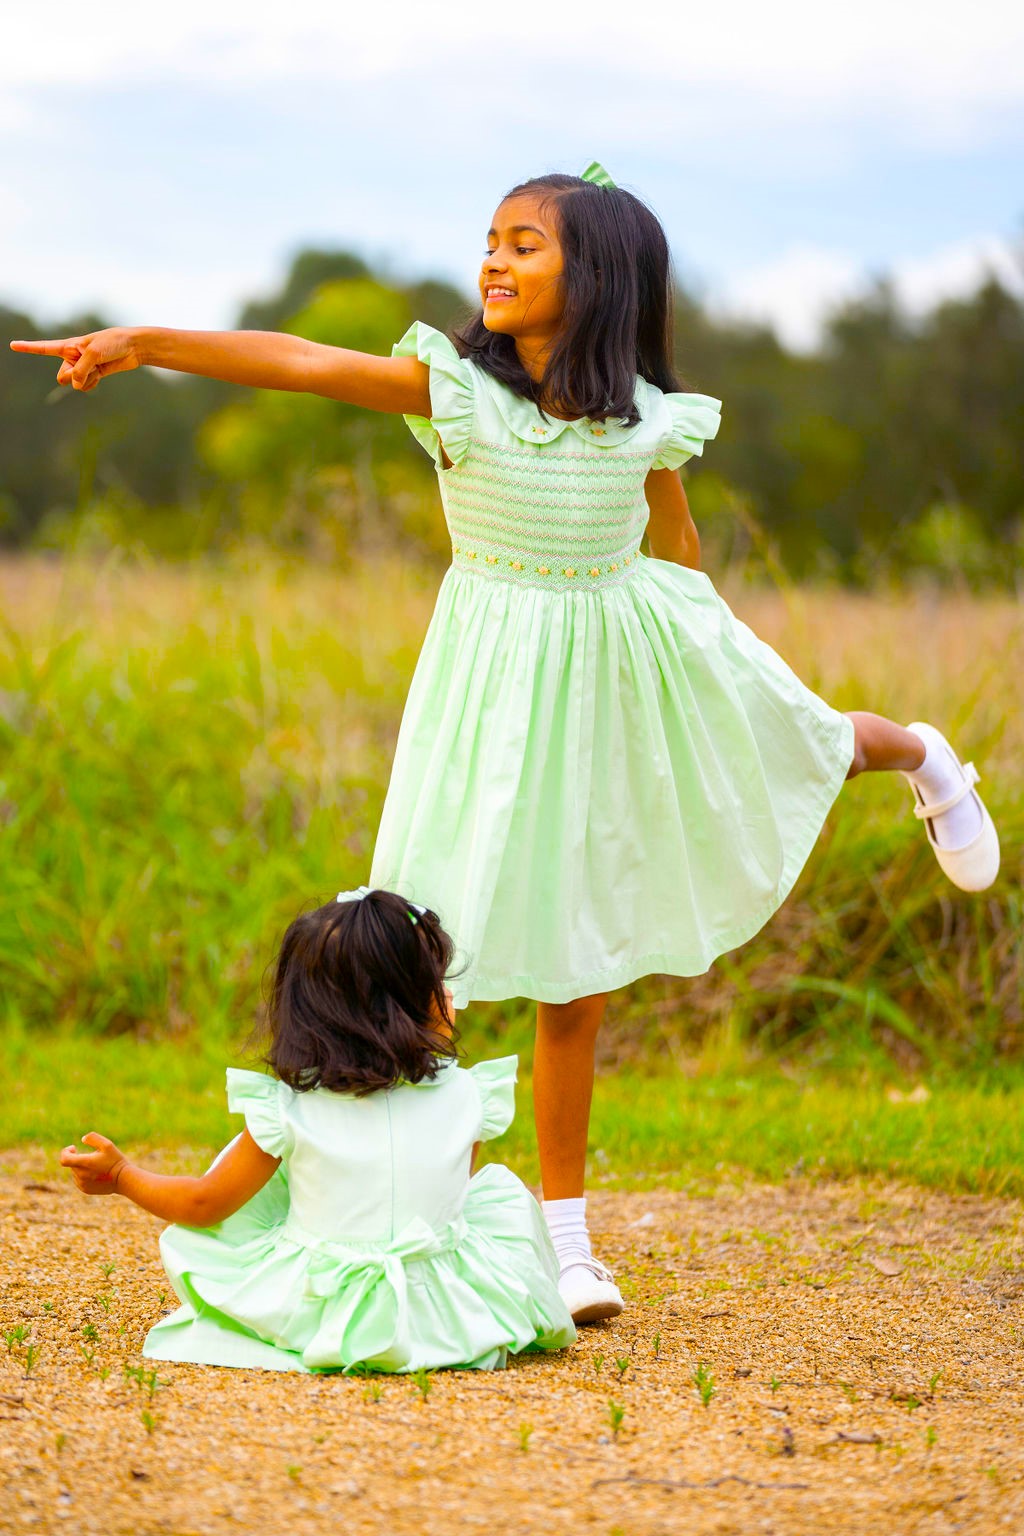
x: 797, y: 290
x: 928, y: 65
x: 957, y: 270
x: 793, y: 293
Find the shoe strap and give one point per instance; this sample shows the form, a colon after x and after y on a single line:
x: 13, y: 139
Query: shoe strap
x: 594, y: 1265
x: 971, y: 777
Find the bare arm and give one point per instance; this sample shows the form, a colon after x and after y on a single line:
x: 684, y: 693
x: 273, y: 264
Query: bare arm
x: 261, y: 359
x: 670, y: 529
x: 195, y: 1202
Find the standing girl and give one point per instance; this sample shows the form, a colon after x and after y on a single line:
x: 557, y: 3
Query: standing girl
x: 342, y: 1230
x: 601, y: 772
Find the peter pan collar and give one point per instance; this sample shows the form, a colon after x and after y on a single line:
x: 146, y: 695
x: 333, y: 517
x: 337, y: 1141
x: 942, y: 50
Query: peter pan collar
x: 523, y: 418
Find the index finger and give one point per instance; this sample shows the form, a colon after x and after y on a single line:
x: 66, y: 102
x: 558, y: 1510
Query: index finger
x: 48, y: 348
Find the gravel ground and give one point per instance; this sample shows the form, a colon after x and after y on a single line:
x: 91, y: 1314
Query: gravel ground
x: 863, y: 1342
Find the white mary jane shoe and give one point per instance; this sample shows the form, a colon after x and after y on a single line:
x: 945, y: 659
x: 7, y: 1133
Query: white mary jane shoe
x: 589, y: 1292
x: 975, y: 866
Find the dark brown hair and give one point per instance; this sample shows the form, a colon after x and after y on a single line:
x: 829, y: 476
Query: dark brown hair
x: 617, y: 322
x: 350, y: 1002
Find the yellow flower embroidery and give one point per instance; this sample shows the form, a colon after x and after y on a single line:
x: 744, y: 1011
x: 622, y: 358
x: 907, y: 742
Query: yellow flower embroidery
x: 455, y: 549
x: 516, y: 565
x: 595, y: 570
x: 569, y: 571
x: 543, y: 570
x: 626, y: 561
x: 598, y: 431
x: 613, y: 567
x: 470, y: 554
x: 492, y: 559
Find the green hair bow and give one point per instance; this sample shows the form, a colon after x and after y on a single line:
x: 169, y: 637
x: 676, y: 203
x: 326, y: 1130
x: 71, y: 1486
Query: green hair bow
x: 596, y: 173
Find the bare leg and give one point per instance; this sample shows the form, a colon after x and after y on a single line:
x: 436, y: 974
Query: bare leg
x: 563, y: 1085
x: 881, y: 743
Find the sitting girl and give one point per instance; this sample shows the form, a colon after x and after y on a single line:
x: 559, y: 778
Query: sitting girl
x: 342, y: 1229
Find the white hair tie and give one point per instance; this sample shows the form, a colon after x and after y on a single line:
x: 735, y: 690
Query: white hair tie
x: 363, y: 891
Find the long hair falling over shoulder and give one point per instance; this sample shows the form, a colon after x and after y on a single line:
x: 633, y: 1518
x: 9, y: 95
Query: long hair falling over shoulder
x: 617, y: 321
x: 353, y: 997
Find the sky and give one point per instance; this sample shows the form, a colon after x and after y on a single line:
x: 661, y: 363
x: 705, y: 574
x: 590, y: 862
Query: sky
x: 161, y: 165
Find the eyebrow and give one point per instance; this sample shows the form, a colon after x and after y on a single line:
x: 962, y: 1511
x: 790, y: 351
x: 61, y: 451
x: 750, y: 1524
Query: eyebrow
x: 517, y: 229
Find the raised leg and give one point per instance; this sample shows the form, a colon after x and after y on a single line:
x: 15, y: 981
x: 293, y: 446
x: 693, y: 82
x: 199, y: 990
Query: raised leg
x: 563, y: 1085
x: 881, y: 743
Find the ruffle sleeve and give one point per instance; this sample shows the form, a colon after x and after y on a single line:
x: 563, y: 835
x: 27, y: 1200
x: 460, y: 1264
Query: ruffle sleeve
x: 451, y: 393
x: 693, y: 421
x: 496, y: 1085
x: 258, y: 1098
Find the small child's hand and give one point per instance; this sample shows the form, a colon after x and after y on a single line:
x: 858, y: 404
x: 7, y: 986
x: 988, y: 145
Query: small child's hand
x: 95, y: 1173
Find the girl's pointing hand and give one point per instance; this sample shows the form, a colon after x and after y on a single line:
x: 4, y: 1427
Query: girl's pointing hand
x: 87, y: 359
x: 95, y: 1173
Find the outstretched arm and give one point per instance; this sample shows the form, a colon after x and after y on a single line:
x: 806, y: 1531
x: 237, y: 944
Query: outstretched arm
x: 262, y: 359
x: 671, y: 531
x: 242, y: 1170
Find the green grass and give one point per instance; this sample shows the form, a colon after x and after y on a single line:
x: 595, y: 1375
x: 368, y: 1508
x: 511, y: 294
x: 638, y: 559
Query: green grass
x: 190, y: 754
x: 665, y: 1130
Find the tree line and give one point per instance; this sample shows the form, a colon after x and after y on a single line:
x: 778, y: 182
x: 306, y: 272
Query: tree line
x: 894, y: 447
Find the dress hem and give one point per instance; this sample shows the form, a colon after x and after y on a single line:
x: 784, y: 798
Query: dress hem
x: 496, y: 989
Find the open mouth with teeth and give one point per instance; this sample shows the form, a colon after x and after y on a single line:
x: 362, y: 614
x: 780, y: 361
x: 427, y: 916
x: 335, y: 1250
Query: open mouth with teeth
x: 498, y: 293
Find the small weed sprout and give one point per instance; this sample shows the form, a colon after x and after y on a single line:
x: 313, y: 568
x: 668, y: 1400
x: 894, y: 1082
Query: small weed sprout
x: 88, y: 1353
x: 108, y: 1270
x: 371, y: 1392
x: 775, y: 1383
x: 147, y: 1381
x: 622, y: 1365
x: 423, y: 1383
x: 152, y: 1382
x: 934, y: 1380
x: 31, y: 1356
x: 656, y: 1345
x: 47, y: 1306
x: 16, y: 1336
x: 931, y: 1434
x: 106, y: 1302
x: 294, y: 1472
x: 704, y: 1380
x: 525, y: 1431
x: 848, y: 1392
x: 597, y: 1362
x: 911, y: 1402
x: 616, y: 1414
x: 149, y: 1421
x: 60, y: 1440
x: 90, y: 1332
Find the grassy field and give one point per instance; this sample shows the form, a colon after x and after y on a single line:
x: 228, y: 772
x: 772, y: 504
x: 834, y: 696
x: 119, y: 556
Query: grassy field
x: 189, y: 754
x: 681, y: 1130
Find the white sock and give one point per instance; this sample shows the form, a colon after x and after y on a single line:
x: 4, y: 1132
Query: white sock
x: 567, y: 1223
x: 939, y: 777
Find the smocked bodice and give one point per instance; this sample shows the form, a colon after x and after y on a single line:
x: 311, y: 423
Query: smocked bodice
x: 555, y: 518
x: 536, y: 500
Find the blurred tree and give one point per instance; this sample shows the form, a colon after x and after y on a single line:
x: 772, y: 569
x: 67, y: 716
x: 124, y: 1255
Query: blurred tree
x: 839, y: 456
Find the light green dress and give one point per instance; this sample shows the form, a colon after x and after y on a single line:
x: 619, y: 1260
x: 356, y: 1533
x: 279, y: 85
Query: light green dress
x: 601, y: 772
x: 370, y: 1247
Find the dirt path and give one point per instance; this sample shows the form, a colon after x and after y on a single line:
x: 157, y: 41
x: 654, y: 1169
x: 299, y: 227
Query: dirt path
x: 865, y: 1344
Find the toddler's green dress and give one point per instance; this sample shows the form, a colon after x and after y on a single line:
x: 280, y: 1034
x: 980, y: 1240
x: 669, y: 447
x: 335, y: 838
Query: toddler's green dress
x: 601, y: 772
x: 370, y: 1247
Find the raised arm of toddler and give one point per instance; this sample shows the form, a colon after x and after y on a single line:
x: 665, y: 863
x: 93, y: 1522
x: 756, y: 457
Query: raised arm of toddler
x: 243, y: 1169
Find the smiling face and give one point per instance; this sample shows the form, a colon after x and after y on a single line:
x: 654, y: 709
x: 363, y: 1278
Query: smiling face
x: 521, y: 276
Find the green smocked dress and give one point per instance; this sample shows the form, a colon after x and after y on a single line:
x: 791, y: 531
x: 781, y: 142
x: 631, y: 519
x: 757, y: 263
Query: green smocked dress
x: 601, y: 772
x: 370, y: 1247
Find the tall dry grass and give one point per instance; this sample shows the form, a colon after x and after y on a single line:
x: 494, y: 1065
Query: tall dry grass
x: 189, y: 753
